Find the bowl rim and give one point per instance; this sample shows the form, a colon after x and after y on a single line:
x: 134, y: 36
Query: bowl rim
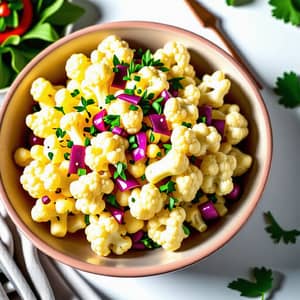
x: 149, y: 270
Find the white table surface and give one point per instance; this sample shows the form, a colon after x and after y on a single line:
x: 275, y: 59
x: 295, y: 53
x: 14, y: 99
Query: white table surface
x: 270, y: 47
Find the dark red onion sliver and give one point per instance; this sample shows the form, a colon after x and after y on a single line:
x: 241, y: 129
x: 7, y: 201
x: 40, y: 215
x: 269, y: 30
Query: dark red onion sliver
x: 235, y: 193
x: 35, y: 140
x: 159, y: 124
x: 133, y: 99
x: 219, y: 125
x: 117, y: 213
x: 128, y: 184
x: 166, y: 95
x: 137, y: 236
x: 118, y: 81
x: 77, y: 159
x: 46, y: 200
x: 208, y: 211
x: 206, y: 111
x: 98, y: 120
x: 119, y: 131
x: 140, y: 152
x: 138, y: 246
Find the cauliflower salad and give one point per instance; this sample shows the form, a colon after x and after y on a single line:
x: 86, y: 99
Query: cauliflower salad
x: 134, y: 149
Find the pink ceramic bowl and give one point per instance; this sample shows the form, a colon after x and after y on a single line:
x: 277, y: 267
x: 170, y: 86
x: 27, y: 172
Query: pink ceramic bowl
x: 74, y: 250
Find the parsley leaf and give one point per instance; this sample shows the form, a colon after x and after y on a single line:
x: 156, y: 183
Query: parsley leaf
x: 112, y: 120
x: 149, y: 243
x: 85, y: 103
x: 175, y: 83
x: 112, y: 200
x: 277, y: 233
x: 169, y: 187
x: 288, y: 87
x: 286, y: 10
x: 263, y: 283
x: 120, y: 172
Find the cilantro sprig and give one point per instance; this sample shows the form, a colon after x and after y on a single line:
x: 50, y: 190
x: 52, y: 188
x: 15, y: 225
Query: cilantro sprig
x: 277, y: 233
x: 258, y: 288
x: 288, y: 88
x: 84, y: 105
x: 286, y: 10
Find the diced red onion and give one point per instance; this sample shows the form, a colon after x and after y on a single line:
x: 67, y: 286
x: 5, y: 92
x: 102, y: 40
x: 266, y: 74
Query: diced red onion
x: 140, y: 152
x: 118, y: 81
x: 133, y: 99
x: 77, y: 159
x: 117, y: 213
x: 128, y: 184
x: 35, y: 140
x: 206, y: 111
x: 220, y: 125
x: 119, y: 131
x: 159, y: 124
x: 208, y: 211
x: 98, y: 120
x: 138, y: 246
x: 166, y: 95
x: 235, y: 193
x: 137, y: 236
x: 174, y: 93
x: 46, y: 200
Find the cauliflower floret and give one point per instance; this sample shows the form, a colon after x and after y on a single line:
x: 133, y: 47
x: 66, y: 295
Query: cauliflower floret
x: 208, y: 137
x: 187, y: 184
x: 56, y: 211
x: 144, y: 203
x: 193, y: 216
x: 51, y: 178
x: 184, y: 140
x: 22, y: 157
x: 236, y: 127
x: 73, y: 123
x: 131, y: 223
x: 37, y: 153
x: 53, y: 149
x: 174, y: 163
x: 213, y: 88
x: 106, y: 235
x: 151, y: 79
x: 176, y: 57
x: 43, y: 91
x: 31, y: 179
x: 177, y: 111
x: 243, y: 160
x: 106, y: 148
x: 191, y: 93
x: 64, y: 99
x: 76, y: 66
x: 130, y: 120
x: 113, y: 45
x: 88, y: 191
x: 218, y: 170
x: 220, y: 206
x: 98, y: 78
x: 166, y: 228
x: 44, y: 122
x: 137, y: 169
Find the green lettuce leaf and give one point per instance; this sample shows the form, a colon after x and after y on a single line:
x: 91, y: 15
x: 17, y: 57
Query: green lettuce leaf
x: 44, y: 32
x: 6, y: 73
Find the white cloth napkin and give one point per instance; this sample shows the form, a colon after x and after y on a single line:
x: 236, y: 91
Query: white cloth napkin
x: 28, y: 274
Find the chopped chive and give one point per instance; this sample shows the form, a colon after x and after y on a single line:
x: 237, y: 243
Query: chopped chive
x: 152, y: 137
x: 87, y: 142
x: 188, y: 125
x: 60, y: 133
x: 87, y: 219
x: 112, y: 200
x: 186, y: 230
x: 60, y: 108
x: 133, y: 107
x: 137, y: 78
x: 75, y: 93
x: 169, y: 187
x: 81, y: 171
x: 67, y: 156
x: 50, y: 155
x: 70, y: 144
x: 109, y: 98
x: 172, y: 202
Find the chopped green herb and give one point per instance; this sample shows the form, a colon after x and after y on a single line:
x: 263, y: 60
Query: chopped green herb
x: 60, y: 108
x: 158, y: 154
x: 36, y: 108
x: 112, y: 200
x: 188, y: 125
x: 143, y: 177
x: 87, y: 219
x: 133, y: 107
x: 168, y: 187
x: 132, y: 142
x: 87, y: 142
x: 175, y: 83
x: 277, y: 232
x: 116, y: 60
x: 67, y: 156
x: 129, y: 92
x: 212, y: 198
x: 70, y: 144
x: 201, y: 119
x: 137, y: 78
x: 172, y: 202
x: 120, y: 171
x: 81, y: 171
x: 262, y: 284
x: 60, y: 133
x: 75, y: 93
x: 148, y: 60
x: 92, y: 130
x: 139, y: 91
x: 85, y: 103
x: 157, y: 105
x: 199, y: 194
x: 186, y: 229
x: 286, y: 10
x: 112, y: 120
x: 132, y: 199
x: 50, y: 155
x: 109, y: 98
x: 149, y: 243
x: 164, y: 69
x: 152, y: 137
x: 167, y: 147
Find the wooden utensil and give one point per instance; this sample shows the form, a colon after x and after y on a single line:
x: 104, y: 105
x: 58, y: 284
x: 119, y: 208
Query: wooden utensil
x: 207, y: 19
